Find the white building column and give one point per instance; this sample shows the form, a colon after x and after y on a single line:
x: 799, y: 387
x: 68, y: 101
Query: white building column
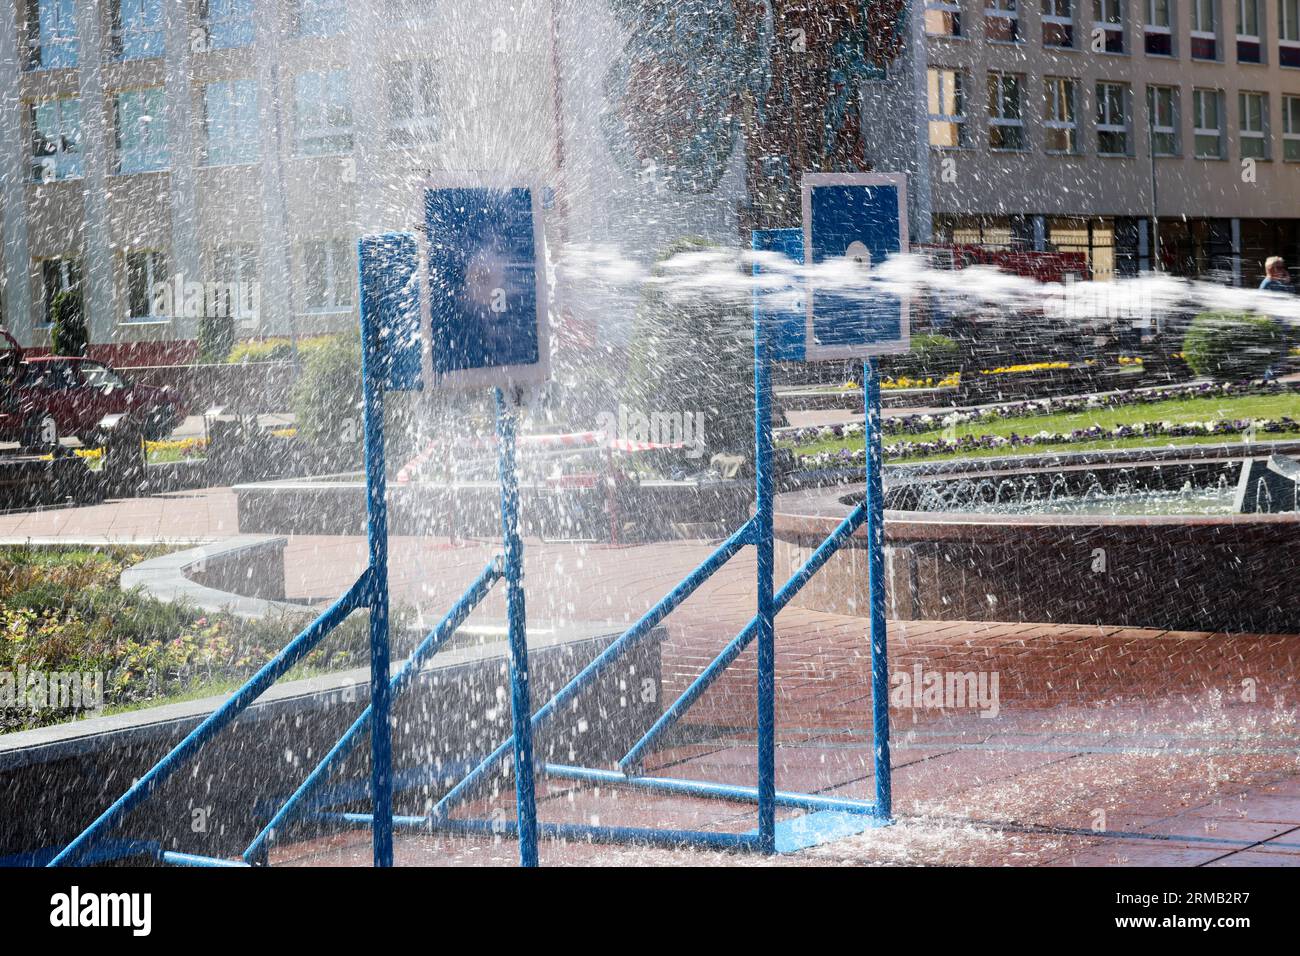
x: 273, y: 264
x: 16, y: 277
x: 179, y: 112
x: 97, y: 250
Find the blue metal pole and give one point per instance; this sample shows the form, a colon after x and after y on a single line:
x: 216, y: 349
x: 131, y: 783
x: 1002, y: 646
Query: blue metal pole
x: 708, y: 790
x: 603, y: 661
x: 446, y: 629
x: 521, y: 706
x: 302, y: 645
x: 764, y: 488
x: 381, y: 736
x: 875, y: 500
x: 679, y: 707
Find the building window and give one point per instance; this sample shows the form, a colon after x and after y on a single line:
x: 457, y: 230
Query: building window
x: 1108, y: 25
x: 1206, y: 117
x: 1112, y: 119
x: 1252, y: 125
x: 1291, y: 129
x: 1001, y: 21
x: 140, y: 129
x: 942, y: 18
x: 1162, y: 108
x: 1006, y: 128
x: 328, y: 275
x: 60, y: 274
x: 413, y: 98
x: 1158, y: 32
x: 320, y: 18
x: 230, y: 117
x: 229, y: 23
x: 56, y: 139
x: 1060, y: 115
x: 1058, y: 23
x: 1288, y: 32
x: 1204, y: 37
x: 51, y: 34
x: 947, y: 99
x: 324, y: 113
x: 137, y: 29
x: 234, y: 268
x: 147, y: 274
x: 1250, y: 45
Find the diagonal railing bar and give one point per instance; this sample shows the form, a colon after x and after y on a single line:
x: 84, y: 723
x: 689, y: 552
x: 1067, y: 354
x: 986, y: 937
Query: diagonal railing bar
x: 355, y: 598
x: 443, y: 632
x: 605, y: 659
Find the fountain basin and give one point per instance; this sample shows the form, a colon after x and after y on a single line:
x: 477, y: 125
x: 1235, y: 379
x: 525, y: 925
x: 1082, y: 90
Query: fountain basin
x: 1076, y: 562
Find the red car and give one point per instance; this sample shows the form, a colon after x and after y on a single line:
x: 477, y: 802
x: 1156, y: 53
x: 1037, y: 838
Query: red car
x: 48, y: 397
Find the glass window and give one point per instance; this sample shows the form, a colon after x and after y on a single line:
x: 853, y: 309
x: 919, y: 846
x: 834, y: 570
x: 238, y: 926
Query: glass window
x: 942, y: 18
x: 1001, y: 20
x: 1208, y: 125
x: 1060, y: 115
x: 329, y: 273
x: 1058, y: 23
x: 229, y: 23
x: 1162, y: 104
x: 1204, y: 38
x: 51, y: 34
x: 321, y: 18
x: 146, y: 272
x: 1158, y: 31
x: 413, y: 98
x: 140, y: 128
x: 60, y: 274
x: 1252, y: 125
x: 1108, y: 17
x: 56, y: 139
x: 1249, y: 44
x: 137, y: 29
x: 1291, y: 129
x: 947, y: 107
x: 1006, y: 127
x: 324, y: 113
x: 234, y: 268
x: 230, y: 117
x: 1288, y: 32
x: 1112, y: 119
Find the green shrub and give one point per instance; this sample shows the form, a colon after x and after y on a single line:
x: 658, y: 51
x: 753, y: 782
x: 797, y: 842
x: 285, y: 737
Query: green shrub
x: 931, y: 355
x: 1233, y: 346
x: 216, y: 338
x: 68, y: 332
x: 327, y: 396
x: 693, y: 356
x: 275, y: 349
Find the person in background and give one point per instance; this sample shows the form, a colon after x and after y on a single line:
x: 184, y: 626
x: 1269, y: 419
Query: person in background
x: 1276, y: 276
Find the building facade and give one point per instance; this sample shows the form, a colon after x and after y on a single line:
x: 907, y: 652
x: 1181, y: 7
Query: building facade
x: 1043, y: 119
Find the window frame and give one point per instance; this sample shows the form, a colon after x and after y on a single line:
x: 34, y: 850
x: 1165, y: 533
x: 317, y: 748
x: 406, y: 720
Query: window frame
x: 1007, y: 11
x: 1290, y: 127
x: 59, y: 158
x: 153, y: 258
x: 999, y: 120
x: 1104, y: 125
x: 237, y: 158
x: 1052, y: 87
x: 961, y: 100
x: 1201, y: 132
x: 1261, y: 135
x: 326, y: 133
x: 151, y: 31
x: 1155, y: 127
x: 334, y: 280
x: 158, y: 115
x: 1110, y: 28
x: 951, y: 9
x: 66, y: 266
x: 62, y: 42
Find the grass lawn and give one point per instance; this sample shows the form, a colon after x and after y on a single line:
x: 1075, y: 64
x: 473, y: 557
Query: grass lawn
x: 1174, y: 410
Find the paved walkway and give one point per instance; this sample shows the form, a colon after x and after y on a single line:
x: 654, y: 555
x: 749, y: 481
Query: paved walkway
x: 1100, y: 746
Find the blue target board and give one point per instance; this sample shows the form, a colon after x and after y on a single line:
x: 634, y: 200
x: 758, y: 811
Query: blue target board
x: 780, y: 305
x: 853, y: 224
x: 486, y: 298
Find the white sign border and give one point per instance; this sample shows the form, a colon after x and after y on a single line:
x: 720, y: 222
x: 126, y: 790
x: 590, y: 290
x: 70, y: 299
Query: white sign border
x: 812, y: 351
x: 503, y: 376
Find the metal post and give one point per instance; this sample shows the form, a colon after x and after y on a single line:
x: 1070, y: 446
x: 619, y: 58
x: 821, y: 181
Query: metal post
x: 763, y: 489
x: 876, y: 580
x: 381, y: 732
x: 520, y: 700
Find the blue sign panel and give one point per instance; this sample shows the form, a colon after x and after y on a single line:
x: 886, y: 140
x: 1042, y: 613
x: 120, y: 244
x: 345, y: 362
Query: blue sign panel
x: 487, y: 291
x: 390, y: 308
x: 781, y: 308
x: 853, y: 223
